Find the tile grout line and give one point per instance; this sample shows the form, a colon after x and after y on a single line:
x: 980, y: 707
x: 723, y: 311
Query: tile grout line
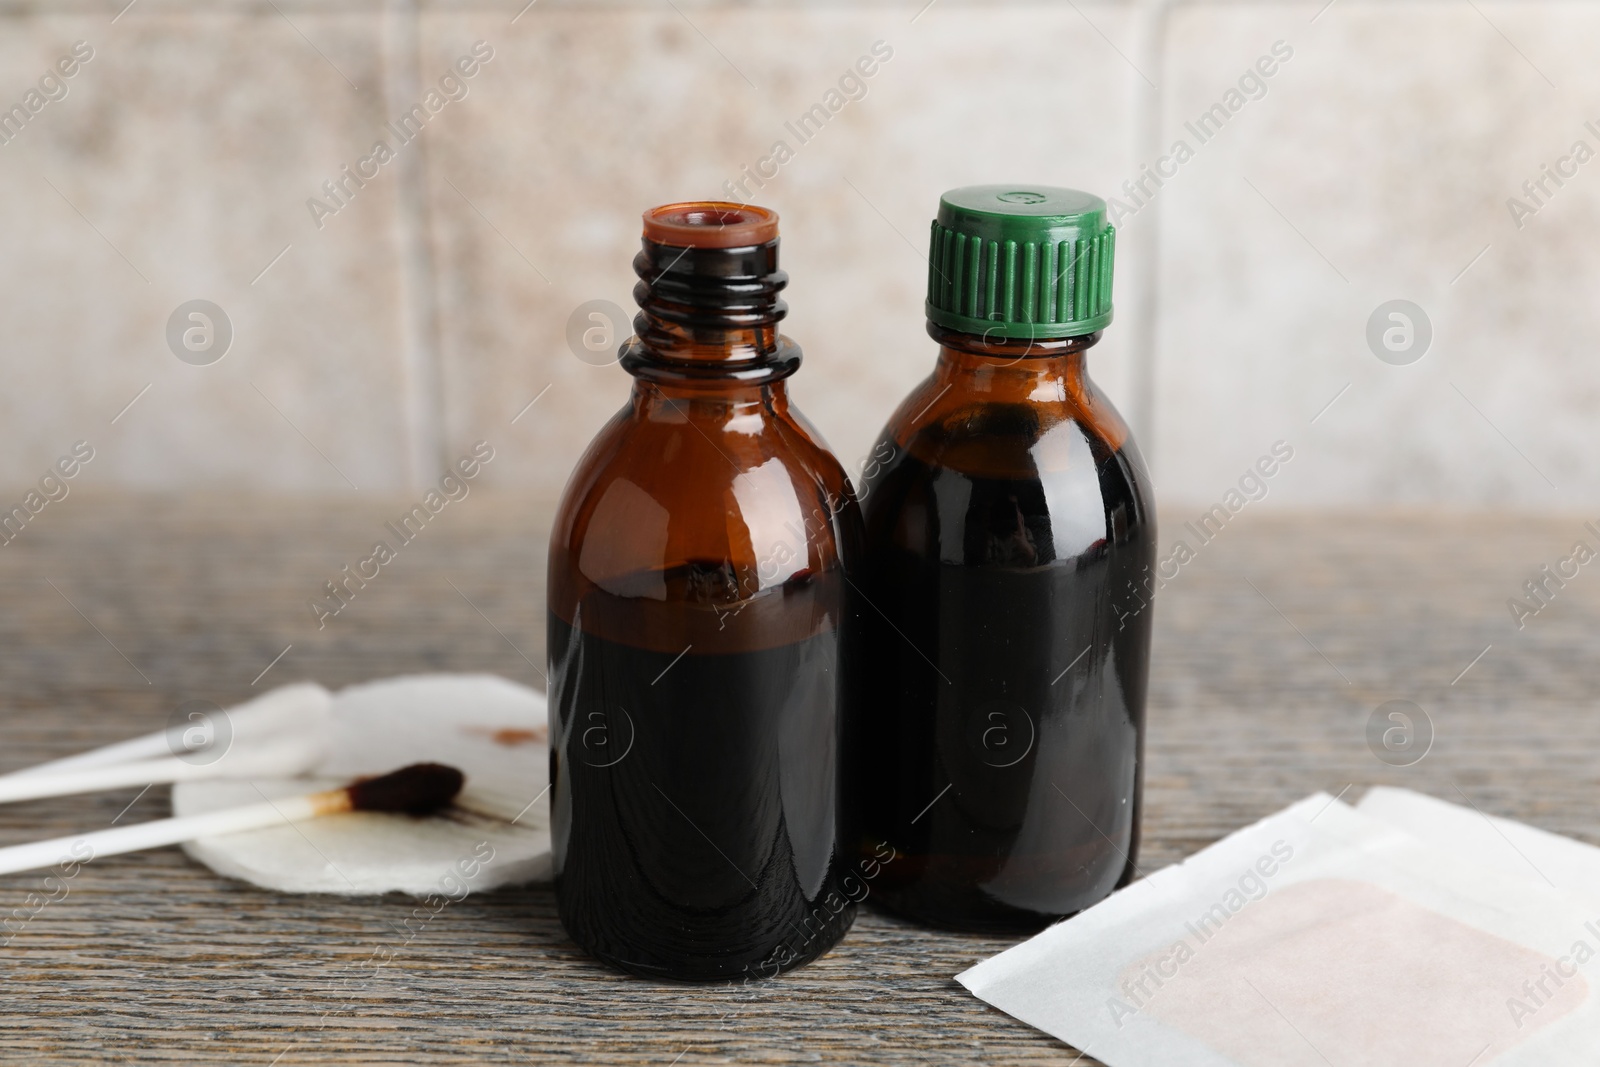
x: 1145, y: 285
x: 421, y: 372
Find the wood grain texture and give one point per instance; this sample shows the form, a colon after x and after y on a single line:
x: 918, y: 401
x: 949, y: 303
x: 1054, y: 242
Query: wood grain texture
x: 1273, y: 648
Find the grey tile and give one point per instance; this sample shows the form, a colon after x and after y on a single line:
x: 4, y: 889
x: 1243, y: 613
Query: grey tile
x: 178, y: 165
x: 1377, y: 167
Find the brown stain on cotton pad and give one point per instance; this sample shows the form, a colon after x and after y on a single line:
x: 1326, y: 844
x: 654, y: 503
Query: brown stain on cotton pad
x: 511, y: 736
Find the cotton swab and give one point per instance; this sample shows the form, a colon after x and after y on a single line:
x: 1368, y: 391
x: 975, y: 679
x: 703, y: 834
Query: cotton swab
x: 301, y: 710
x: 286, y: 757
x: 420, y: 789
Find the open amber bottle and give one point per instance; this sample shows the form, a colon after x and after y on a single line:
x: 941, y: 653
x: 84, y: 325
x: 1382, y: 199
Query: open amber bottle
x: 997, y: 746
x: 697, y: 618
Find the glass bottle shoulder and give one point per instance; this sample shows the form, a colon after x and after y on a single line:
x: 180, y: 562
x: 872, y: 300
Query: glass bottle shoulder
x: 708, y: 499
x: 1034, y: 470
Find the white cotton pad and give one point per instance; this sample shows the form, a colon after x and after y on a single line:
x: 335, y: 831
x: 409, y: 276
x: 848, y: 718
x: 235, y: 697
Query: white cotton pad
x: 493, y: 730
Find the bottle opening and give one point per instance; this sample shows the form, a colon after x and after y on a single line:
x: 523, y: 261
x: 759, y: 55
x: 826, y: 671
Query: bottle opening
x: 710, y: 224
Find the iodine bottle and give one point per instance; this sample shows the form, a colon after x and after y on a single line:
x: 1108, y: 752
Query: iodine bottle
x: 698, y: 617
x: 997, y: 745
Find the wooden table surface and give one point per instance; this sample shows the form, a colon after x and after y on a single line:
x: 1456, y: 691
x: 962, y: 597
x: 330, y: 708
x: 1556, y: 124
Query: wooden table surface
x: 1273, y: 648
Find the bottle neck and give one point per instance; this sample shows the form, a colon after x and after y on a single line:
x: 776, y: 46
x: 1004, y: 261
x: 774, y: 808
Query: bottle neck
x: 709, y: 315
x: 730, y: 404
x: 1011, y: 369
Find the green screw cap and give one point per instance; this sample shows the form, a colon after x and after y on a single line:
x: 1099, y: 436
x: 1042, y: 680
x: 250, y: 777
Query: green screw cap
x: 1021, y: 261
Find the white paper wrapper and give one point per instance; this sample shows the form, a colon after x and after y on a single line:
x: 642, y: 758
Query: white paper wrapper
x: 1512, y: 848
x: 493, y: 730
x: 1317, y: 936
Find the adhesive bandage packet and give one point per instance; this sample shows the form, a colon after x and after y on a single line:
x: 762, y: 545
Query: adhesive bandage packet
x: 1326, y: 935
x: 1510, y: 847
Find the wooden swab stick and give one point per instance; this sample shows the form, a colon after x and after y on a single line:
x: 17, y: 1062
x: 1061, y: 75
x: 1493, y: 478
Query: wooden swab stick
x: 420, y: 789
x: 299, y: 710
x: 286, y: 758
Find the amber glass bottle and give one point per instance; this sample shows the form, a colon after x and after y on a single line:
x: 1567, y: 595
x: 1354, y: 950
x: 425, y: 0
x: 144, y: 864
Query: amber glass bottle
x: 997, y: 746
x: 697, y: 614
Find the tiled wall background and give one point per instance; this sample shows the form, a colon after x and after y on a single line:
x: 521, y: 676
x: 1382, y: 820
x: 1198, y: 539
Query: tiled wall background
x: 428, y: 312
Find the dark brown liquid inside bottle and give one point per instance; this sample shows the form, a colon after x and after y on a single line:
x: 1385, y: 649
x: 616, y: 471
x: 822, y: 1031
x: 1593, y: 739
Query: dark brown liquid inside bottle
x: 697, y: 619
x: 998, y: 745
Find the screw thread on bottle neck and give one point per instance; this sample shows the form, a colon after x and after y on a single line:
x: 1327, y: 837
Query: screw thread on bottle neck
x: 708, y: 296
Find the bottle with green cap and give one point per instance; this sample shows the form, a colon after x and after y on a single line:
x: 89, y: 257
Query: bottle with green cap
x: 993, y: 751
